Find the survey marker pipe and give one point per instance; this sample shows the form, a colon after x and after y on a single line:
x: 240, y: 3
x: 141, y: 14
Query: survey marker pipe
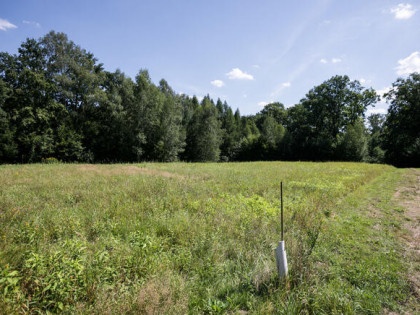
x: 281, y: 257
x: 281, y: 260
x: 281, y: 219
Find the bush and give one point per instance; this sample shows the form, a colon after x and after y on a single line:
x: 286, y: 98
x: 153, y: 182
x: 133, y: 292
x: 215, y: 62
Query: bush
x: 50, y: 160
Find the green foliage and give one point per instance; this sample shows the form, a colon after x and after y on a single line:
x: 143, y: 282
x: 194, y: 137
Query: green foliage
x: 375, y: 152
x: 326, y: 112
x: 188, y: 237
x: 272, y: 134
x: 50, y: 160
x: 9, y: 281
x: 276, y: 111
x: 57, y: 100
x: 8, y: 148
x: 353, y: 145
x: 204, y: 134
x: 401, y: 131
x: 57, y: 279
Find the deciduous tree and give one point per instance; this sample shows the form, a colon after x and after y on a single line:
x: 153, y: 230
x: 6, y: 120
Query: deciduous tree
x: 402, y: 128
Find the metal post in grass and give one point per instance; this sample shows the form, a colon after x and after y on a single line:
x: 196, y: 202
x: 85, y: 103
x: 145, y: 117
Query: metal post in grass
x: 281, y: 198
x: 280, y: 250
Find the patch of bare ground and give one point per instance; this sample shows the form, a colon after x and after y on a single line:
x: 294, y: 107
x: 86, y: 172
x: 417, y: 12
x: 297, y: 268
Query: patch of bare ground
x: 127, y: 170
x: 165, y: 294
x: 408, y: 197
x: 162, y: 296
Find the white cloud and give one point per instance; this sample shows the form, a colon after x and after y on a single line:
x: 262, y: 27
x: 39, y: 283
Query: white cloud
x: 238, y: 74
x: 374, y: 110
x: 381, y: 107
x: 36, y: 24
x: 5, y: 24
x: 280, y: 88
x: 277, y: 92
x: 333, y: 60
x: 364, y: 81
x: 409, y: 65
x: 383, y: 91
x: 217, y: 83
x: 403, y: 11
x: 382, y: 100
x: 262, y: 104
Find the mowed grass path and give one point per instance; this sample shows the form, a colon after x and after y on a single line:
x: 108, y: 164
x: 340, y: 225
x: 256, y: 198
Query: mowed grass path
x: 199, y: 238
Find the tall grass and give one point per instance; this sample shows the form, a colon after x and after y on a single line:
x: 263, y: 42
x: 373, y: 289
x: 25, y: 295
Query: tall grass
x: 175, y: 238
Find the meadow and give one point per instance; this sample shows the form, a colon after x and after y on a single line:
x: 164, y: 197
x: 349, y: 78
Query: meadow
x: 200, y: 238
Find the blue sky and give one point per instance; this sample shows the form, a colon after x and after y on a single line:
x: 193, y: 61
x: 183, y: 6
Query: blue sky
x: 245, y: 52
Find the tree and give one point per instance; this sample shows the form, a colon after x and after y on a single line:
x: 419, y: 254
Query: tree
x: 353, y: 146
x: 230, y: 134
x: 141, y: 116
x: 79, y: 87
x: 329, y: 109
x: 156, y: 116
x: 57, y: 100
x: 402, y: 129
x: 113, y: 140
x: 204, y: 134
x: 8, y: 148
x: 299, y: 133
x: 171, y: 138
x: 376, y: 126
x: 272, y: 134
x: 32, y: 110
x: 277, y: 111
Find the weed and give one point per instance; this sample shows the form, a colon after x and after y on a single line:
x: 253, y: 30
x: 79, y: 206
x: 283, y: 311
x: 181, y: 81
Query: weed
x: 199, y: 238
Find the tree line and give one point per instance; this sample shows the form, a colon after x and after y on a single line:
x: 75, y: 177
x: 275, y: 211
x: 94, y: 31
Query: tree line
x: 56, y: 100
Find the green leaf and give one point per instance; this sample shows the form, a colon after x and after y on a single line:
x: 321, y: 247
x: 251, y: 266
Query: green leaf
x: 46, y: 288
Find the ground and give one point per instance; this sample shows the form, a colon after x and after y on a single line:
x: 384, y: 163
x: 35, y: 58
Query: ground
x: 408, y: 197
x: 200, y: 238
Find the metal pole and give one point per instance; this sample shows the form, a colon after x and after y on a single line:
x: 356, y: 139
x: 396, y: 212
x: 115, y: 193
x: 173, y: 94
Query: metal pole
x: 281, y: 194
x: 281, y: 249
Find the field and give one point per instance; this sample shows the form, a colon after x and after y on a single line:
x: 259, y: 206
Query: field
x: 200, y: 238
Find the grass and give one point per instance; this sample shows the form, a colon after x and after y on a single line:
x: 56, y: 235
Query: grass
x: 200, y: 238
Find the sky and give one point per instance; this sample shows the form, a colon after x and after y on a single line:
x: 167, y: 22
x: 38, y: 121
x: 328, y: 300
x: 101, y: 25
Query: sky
x: 248, y: 53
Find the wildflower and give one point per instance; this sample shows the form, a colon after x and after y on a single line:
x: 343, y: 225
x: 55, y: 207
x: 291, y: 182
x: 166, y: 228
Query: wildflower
x: 26, y: 223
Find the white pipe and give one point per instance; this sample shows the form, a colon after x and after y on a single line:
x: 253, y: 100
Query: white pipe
x: 281, y: 260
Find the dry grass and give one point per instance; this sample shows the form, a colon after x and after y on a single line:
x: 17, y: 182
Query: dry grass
x: 125, y: 170
x: 162, y: 295
x: 408, y: 197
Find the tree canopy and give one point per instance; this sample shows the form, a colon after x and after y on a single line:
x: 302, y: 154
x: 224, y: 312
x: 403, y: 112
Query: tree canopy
x: 56, y: 100
x: 402, y: 125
